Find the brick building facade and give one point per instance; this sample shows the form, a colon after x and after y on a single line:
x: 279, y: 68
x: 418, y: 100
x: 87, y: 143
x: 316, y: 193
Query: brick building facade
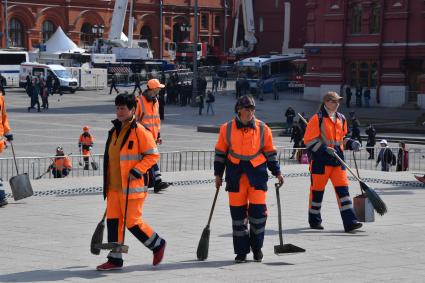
x: 370, y: 43
x: 32, y: 22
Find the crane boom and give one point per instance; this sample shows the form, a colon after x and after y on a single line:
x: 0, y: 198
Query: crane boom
x: 118, y: 18
x: 249, y: 41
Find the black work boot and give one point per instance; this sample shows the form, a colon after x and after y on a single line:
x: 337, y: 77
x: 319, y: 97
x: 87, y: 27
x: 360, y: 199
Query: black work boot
x: 240, y: 258
x: 86, y: 167
x: 3, y: 202
x: 258, y: 255
x: 316, y: 226
x: 355, y: 226
x: 159, y: 186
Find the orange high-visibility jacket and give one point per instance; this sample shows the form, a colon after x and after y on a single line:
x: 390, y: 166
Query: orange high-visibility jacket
x: 247, y: 144
x: 138, y: 153
x: 327, y: 134
x: 252, y: 144
x: 86, y: 140
x: 147, y: 114
x: 62, y: 162
x: 4, y: 122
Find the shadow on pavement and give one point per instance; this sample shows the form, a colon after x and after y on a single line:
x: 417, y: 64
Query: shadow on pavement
x: 82, y: 271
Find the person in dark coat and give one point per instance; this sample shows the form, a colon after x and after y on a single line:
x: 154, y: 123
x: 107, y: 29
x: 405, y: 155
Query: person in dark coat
x: 114, y: 82
x: 371, y: 141
x: 3, y: 83
x: 359, y: 94
x: 137, y: 83
x: 355, y: 133
x: 296, y: 136
x: 402, y: 157
x: 348, y: 95
x: 367, y: 96
x: 290, y: 115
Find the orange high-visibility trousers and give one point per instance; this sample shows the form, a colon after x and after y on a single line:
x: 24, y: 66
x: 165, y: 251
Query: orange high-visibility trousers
x: 135, y: 224
x: 248, y: 205
x: 338, y: 177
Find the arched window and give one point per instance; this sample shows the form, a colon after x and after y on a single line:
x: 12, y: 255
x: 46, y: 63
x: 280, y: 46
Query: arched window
x: 356, y: 19
x: 146, y: 33
x: 16, y: 33
x: 181, y: 32
x: 375, y: 19
x: 86, y: 36
x: 47, y: 30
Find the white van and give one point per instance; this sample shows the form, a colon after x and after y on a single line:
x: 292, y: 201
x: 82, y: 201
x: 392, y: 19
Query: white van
x: 41, y: 70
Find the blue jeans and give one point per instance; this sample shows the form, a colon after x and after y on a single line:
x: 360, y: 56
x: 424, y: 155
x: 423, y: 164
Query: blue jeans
x: 210, y: 106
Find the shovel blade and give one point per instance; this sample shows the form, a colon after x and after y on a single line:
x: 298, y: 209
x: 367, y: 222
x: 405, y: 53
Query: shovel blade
x: 287, y: 249
x: 114, y: 247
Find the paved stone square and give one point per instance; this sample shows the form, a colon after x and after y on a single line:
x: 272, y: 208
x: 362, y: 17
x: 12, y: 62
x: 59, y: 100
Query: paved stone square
x: 46, y: 238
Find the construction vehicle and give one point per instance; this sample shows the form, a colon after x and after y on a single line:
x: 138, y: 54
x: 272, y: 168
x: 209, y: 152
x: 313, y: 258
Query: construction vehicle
x: 246, y: 46
x: 117, y: 43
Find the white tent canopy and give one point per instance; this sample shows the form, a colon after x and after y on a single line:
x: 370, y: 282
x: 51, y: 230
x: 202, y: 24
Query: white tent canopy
x: 60, y: 43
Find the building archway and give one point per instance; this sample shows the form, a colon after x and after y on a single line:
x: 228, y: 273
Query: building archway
x: 47, y: 30
x: 16, y: 33
x: 146, y: 33
x: 86, y: 34
x: 181, y: 31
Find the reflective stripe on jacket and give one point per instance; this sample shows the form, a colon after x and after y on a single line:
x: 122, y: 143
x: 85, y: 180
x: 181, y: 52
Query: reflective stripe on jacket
x: 247, y: 150
x: 322, y: 132
x: 138, y: 152
x: 147, y: 114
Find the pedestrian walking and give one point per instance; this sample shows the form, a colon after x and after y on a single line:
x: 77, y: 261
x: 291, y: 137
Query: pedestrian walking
x: 355, y: 131
x: 57, y: 86
x: 348, y: 95
x: 359, y: 95
x: 215, y: 82
x: 200, y: 102
x: 371, y: 141
x: 325, y: 137
x: 147, y: 114
x: 367, y: 96
x: 238, y: 88
x: 386, y: 157
x: 245, y: 155
x: 210, y: 100
x: 129, y: 153
x: 61, y: 165
x: 114, y: 81
x: 276, y: 90
x: 44, y: 96
x: 290, y: 115
x: 49, y: 83
x: 35, y: 91
x: 85, y: 144
x: 402, y: 157
x: 5, y: 131
x: 136, y: 83
x: 296, y: 136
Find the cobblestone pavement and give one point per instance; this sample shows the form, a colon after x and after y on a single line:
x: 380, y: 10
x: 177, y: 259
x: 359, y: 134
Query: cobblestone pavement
x: 46, y: 237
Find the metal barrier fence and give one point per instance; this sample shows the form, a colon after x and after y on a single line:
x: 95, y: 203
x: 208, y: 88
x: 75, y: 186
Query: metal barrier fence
x: 176, y: 161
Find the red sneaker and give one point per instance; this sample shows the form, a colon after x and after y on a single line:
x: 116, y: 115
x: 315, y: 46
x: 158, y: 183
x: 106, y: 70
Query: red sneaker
x: 158, y: 255
x: 108, y: 266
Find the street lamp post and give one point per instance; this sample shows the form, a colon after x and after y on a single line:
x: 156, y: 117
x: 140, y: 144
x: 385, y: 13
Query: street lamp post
x: 161, y: 44
x: 6, y: 24
x: 195, y: 58
x: 97, y: 31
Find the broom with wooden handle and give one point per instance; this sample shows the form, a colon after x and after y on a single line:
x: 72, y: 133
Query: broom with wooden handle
x: 377, y: 203
x: 203, y: 246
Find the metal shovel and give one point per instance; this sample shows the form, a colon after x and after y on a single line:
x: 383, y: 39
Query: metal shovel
x: 20, y: 184
x: 283, y: 248
x: 114, y: 246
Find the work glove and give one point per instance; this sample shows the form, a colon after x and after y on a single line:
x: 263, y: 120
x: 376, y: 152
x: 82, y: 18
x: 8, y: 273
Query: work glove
x: 280, y: 178
x: 90, y: 148
x: 330, y: 151
x: 9, y: 137
x: 135, y: 174
x: 355, y: 146
x: 218, y: 181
